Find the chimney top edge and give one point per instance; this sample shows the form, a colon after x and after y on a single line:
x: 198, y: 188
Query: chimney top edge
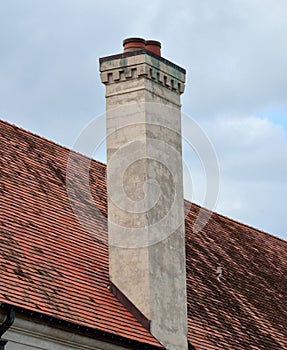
x: 141, y: 52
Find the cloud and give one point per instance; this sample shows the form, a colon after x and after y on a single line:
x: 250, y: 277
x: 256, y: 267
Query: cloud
x: 252, y: 155
x: 236, y: 57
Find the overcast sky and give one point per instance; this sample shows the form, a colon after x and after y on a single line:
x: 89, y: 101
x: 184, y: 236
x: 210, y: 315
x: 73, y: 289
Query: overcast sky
x: 235, y: 54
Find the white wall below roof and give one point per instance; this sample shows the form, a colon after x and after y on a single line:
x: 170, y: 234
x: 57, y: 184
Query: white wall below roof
x: 28, y: 335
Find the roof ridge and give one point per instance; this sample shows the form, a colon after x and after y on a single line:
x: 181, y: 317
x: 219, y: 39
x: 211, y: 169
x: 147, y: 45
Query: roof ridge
x: 237, y: 221
x: 43, y: 138
x: 104, y: 164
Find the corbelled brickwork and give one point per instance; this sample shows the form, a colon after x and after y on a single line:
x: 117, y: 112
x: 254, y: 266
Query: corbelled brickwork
x: 129, y: 66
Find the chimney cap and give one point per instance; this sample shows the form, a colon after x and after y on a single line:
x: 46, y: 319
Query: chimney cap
x: 134, y: 40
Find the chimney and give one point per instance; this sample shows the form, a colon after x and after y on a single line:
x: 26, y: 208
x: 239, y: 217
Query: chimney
x: 145, y: 189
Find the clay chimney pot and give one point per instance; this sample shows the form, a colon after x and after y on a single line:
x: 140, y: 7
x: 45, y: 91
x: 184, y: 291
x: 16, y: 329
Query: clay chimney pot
x: 153, y: 46
x: 133, y: 44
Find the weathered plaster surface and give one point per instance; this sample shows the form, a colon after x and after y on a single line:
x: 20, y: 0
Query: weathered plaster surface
x: 145, y: 191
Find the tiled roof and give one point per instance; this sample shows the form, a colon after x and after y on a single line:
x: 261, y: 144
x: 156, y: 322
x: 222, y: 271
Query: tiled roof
x: 49, y: 262
x: 247, y: 309
x: 53, y: 264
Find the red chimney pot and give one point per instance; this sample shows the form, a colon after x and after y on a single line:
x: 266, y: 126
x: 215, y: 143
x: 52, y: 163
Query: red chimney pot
x: 153, y: 46
x: 133, y: 44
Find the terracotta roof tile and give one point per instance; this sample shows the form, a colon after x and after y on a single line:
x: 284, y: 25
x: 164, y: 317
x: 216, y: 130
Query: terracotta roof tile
x: 51, y: 264
x: 247, y: 309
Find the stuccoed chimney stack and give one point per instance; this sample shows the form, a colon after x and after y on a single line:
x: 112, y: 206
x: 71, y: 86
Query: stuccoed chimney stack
x: 145, y: 188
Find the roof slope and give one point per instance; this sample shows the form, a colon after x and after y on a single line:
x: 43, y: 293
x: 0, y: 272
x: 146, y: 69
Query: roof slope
x: 247, y: 310
x: 49, y: 262
x: 52, y: 263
